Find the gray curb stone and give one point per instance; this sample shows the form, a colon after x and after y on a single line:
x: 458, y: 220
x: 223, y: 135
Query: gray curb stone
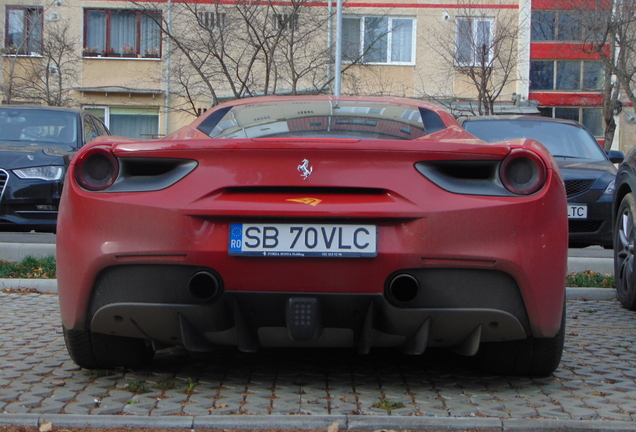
x: 423, y: 423
x: 41, y: 285
x: 590, y: 293
x: 566, y: 425
x: 15, y: 252
x: 348, y: 422
x: 599, y: 265
x: 269, y: 422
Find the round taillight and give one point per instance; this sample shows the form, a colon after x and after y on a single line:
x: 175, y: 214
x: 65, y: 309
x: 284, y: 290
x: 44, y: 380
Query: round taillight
x: 523, y: 172
x: 96, y: 169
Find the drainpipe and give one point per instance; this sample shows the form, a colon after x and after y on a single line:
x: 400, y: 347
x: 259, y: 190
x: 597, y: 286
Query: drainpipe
x: 338, y: 60
x: 329, y: 30
x: 523, y: 84
x: 167, y: 72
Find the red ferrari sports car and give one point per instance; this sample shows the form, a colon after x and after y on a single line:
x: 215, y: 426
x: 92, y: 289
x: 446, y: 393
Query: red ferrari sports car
x: 315, y: 221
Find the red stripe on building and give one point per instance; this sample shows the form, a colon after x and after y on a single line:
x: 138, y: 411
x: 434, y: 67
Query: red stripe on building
x: 567, y: 99
x: 558, y: 51
x: 571, y: 4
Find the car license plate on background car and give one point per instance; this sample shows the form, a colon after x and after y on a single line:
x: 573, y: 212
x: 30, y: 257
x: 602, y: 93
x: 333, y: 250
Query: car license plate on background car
x: 303, y: 240
x: 577, y: 211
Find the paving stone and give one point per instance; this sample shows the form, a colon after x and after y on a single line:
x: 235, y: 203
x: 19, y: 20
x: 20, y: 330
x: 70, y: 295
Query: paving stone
x: 596, y: 380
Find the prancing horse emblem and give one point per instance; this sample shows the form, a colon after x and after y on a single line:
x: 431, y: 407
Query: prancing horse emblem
x: 305, y: 169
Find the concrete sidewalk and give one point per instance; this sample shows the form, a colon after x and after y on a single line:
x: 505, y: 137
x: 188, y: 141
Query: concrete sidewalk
x: 592, y: 390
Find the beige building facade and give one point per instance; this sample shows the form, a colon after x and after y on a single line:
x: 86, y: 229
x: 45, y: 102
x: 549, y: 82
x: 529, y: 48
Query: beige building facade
x: 149, y: 68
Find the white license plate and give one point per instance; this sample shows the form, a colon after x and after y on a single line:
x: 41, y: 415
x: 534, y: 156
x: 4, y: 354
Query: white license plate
x: 303, y: 240
x: 577, y: 211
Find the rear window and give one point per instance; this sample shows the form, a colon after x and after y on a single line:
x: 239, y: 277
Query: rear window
x: 561, y: 139
x: 322, y: 118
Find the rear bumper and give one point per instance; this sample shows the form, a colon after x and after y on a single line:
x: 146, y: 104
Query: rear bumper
x: 169, y: 305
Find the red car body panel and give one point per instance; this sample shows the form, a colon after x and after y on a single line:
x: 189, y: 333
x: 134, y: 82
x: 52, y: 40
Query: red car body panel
x: 420, y: 225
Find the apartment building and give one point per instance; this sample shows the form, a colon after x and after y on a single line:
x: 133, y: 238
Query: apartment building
x: 148, y: 68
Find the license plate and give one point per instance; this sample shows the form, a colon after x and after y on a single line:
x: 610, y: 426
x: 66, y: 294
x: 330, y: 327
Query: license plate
x: 577, y: 211
x: 303, y: 240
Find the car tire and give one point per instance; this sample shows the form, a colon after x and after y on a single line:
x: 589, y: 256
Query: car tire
x: 101, y: 351
x: 537, y: 357
x: 624, y: 236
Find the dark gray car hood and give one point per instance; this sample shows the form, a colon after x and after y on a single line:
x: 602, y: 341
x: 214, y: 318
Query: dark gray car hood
x: 23, y: 156
x: 578, y: 169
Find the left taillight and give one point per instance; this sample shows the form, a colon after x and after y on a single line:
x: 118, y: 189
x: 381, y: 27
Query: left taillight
x: 97, y: 169
x: 523, y: 172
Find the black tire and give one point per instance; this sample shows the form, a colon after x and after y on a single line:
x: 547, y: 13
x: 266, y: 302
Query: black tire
x: 537, y: 357
x: 624, y: 236
x: 101, y: 351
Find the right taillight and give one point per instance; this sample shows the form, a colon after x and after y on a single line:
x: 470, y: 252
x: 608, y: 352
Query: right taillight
x: 523, y: 172
x: 97, y: 169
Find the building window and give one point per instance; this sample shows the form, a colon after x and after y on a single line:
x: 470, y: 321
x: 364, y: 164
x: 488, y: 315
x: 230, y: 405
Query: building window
x: 565, y: 26
x: 542, y: 75
x: 382, y: 40
x: 593, y: 75
x: 473, y: 41
x: 137, y: 123
x: 543, y: 27
x: 567, y: 75
x: 592, y: 118
x: 212, y: 20
x: 569, y: 27
x: 23, y: 29
x: 285, y: 21
x: 127, y: 32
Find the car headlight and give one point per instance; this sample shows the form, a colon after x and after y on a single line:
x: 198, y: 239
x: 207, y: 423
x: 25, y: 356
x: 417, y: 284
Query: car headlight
x: 610, y: 188
x: 43, y: 173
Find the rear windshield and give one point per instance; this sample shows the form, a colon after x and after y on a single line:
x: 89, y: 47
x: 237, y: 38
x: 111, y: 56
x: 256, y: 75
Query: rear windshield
x: 322, y: 118
x: 38, y: 127
x: 562, y: 139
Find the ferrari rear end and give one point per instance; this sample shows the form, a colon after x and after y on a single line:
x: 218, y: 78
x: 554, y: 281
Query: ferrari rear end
x: 315, y: 222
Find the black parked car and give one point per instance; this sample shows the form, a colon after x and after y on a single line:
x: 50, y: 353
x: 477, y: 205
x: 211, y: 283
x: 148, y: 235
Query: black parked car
x: 624, y: 232
x: 36, y: 146
x: 588, y: 171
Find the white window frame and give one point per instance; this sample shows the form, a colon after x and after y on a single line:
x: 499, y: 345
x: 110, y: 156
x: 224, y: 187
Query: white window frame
x: 211, y: 20
x: 361, y: 18
x: 107, y: 114
x: 474, y: 35
x: 286, y: 21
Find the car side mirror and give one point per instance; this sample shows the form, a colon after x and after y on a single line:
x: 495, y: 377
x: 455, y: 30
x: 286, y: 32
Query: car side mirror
x: 615, y: 156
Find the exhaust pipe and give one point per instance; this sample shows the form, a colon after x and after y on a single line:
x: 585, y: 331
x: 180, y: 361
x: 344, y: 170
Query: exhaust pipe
x: 204, y: 286
x: 403, y: 288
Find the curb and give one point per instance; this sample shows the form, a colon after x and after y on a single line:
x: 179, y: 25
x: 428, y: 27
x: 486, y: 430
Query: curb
x: 41, y: 285
x: 304, y: 422
x: 588, y: 293
x: 599, y: 265
x: 15, y: 252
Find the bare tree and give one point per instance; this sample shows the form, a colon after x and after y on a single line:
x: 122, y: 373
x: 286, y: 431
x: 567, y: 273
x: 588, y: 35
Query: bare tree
x: 221, y: 51
x: 46, y: 76
x: 609, y: 30
x: 477, y: 49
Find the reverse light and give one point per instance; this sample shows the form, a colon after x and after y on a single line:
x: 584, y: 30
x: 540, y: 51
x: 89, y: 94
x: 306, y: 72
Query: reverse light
x: 50, y: 173
x: 97, y: 169
x: 523, y: 172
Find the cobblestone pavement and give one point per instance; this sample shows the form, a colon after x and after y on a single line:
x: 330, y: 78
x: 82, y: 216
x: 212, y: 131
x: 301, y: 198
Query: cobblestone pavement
x: 596, y: 379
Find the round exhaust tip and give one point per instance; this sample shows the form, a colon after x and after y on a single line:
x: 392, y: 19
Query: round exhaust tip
x: 204, y: 286
x: 403, y: 288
